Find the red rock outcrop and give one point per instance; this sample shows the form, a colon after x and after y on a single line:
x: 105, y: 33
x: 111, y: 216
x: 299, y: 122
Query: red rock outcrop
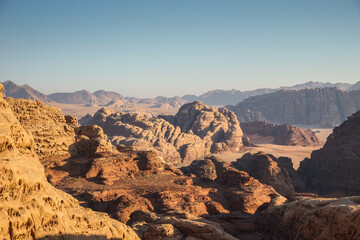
x: 335, y: 167
x: 158, y: 187
x: 285, y: 134
x: 312, y: 219
x: 176, y: 225
x: 30, y: 208
x: 276, y: 172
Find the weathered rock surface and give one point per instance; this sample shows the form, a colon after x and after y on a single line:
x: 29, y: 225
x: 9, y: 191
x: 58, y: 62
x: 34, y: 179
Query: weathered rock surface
x: 196, y: 130
x: 312, y: 219
x: 335, y: 167
x: 71, y: 120
x: 204, y: 169
x: 176, y: 225
x: 129, y: 181
x: 90, y: 139
x: 219, y: 128
x: 30, y: 208
x: 51, y: 132
x: 285, y: 134
x: 326, y: 107
x: 267, y: 169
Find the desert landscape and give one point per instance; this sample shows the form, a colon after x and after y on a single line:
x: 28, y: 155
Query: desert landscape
x: 179, y: 120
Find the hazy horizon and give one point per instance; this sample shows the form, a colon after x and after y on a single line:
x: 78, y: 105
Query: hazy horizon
x: 173, y: 48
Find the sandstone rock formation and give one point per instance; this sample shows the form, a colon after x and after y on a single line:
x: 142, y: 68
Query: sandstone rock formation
x: 326, y: 107
x: 312, y: 219
x: 285, y: 134
x: 71, y: 120
x: 266, y: 169
x: 30, y: 207
x: 90, y: 140
x: 85, y: 119
x: 128, y: 181
x: 219, y: 128
x: 51, y: 132
x: 196, y: 130
x: 335, y: 167
x: 176, y: 225
x: 204, y: 169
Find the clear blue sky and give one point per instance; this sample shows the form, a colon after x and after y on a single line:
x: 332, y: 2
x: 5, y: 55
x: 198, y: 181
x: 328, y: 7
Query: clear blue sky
x: 173, y: 47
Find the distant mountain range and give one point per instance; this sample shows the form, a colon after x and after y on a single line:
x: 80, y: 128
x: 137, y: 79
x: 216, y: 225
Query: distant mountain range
x: 102, y: 97
x: 324, y: 107
x: 23, y: 91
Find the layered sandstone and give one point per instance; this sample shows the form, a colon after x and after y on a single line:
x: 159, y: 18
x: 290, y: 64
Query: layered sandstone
x: 53, y: 134
x: 285, y: 134
x: 335, y: 167
x: 30, y: 207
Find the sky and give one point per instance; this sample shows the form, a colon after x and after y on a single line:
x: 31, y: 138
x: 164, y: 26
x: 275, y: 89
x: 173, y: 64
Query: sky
x: 176, y: 47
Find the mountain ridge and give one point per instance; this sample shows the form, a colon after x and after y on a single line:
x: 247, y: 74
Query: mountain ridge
x: 217, y: 97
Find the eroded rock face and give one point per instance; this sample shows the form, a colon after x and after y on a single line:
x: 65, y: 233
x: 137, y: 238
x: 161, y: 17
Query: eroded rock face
x: 326, y: 107
x: 30, y: 207
x: 285, y: 134
x: 90, y: 140
x: 276, y: 172
x: 52, y: 134
x: 204, y: 169
x: 194, y: 132
x: 71, y: 120
x: 335, y: 167
x: 219, y: 128
x: 176, y: 225
x: 312, y: 219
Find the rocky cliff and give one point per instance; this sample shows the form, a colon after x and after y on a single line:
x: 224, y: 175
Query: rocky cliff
x: 30, y: 207
x: 51, y: 132
x: 336, y: 166
x: 196, y: 130
x: 285, y: 134
x: 326, y: 107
